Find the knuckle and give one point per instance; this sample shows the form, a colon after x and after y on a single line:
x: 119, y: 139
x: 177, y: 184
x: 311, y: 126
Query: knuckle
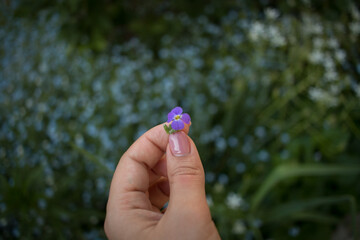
x: 186, y: 170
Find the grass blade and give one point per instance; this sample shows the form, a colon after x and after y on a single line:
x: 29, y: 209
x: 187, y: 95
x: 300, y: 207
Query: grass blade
x: 293, y: 170
x: 91, y: 157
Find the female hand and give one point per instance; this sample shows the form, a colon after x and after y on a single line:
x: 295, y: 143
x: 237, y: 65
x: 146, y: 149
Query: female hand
x: 156, y: 169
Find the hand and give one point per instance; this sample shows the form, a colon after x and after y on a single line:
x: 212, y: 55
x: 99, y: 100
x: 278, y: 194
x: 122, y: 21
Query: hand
x: 158, y: 168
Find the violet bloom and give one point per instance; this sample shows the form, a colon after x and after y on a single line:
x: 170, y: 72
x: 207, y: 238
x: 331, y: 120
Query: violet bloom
x: 178, y: 118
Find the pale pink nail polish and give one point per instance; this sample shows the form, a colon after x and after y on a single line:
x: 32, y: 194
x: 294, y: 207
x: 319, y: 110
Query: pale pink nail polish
x: 179, y: 144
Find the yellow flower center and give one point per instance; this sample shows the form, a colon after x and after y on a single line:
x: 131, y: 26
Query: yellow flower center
x: 177, y: 117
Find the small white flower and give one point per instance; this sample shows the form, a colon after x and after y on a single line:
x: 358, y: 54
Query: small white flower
x: 239, y: 227
x: 357, y: 90
x: 355, y: 28
x: 318, y: 28
x: 340, y: 55
x: 316, y: 93
x: 257, y: 31
x: 333, y: 43
x: 329, y: 63
x: 331, y: 75
x: 234, y: 201
x: 355, y: 12
x: 323, y: 97
x: 335, y: 89
x: 272, y: 13
x: 316, y: 57
x: 313, y: 26
x: 279, y: 41
x: 275, y: 37
x: 209, y: 200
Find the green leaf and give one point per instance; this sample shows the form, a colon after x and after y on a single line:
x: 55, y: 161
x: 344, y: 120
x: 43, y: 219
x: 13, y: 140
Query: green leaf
x: 315, y: 217
x: 297, y: 211
x: 293, y: 170
x: 296, y: 207
x: 169, y: 129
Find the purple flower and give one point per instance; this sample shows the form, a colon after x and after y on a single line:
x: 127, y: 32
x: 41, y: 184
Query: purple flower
x: 178, y: 118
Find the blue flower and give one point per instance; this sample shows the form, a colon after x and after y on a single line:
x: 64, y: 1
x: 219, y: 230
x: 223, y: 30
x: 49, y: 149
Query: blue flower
x: 177, y: 118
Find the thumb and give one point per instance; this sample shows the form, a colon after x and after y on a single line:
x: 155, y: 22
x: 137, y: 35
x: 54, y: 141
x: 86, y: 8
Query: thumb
x: 186, y: 175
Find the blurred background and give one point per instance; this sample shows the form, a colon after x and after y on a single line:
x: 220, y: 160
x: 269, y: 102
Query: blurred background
x: 273, y: 89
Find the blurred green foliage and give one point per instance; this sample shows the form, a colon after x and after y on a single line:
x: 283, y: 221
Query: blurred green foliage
x: 272, y: 88
x: 98, y: 24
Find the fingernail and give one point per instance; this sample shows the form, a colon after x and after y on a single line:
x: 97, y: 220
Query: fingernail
x: 179, y: 144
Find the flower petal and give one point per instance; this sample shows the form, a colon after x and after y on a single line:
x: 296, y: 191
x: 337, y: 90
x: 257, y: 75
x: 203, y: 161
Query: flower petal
x: 186, y: 118
x: 171, y: 116
x: 177, y: 110
x: 177, y: 125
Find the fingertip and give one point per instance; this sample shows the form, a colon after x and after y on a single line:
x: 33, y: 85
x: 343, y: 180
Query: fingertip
x: 187, y: 128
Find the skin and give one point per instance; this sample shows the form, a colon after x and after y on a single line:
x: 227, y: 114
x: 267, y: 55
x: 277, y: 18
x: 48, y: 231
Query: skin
x: 147, y: 176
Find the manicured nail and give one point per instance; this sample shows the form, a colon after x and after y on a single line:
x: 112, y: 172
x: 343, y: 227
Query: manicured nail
x: 179, y: 144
